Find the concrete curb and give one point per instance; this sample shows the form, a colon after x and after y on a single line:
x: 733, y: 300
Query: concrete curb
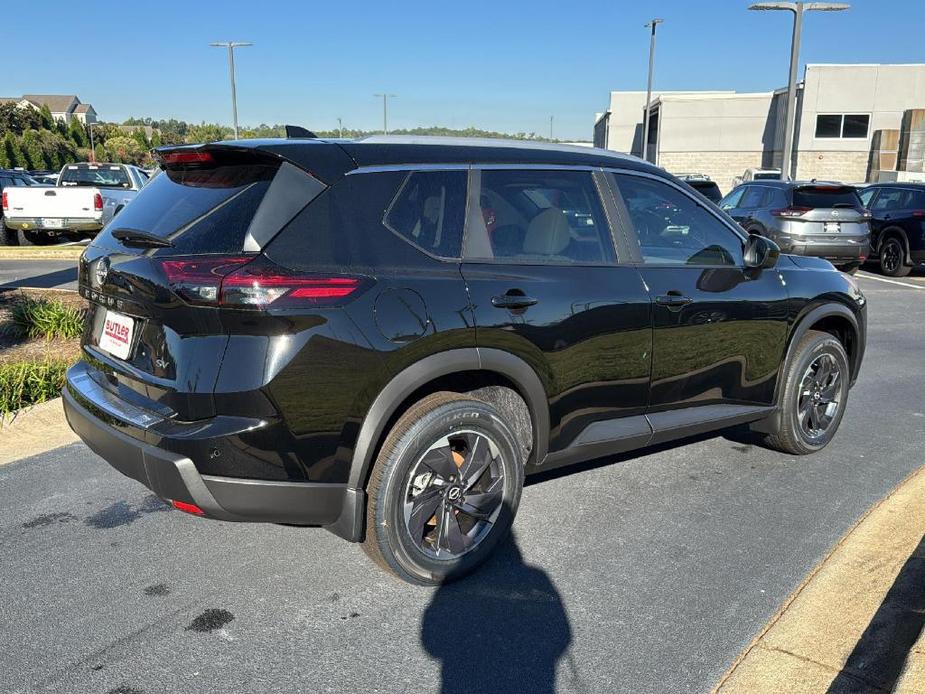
x: 34, y: 430
x: 40, y: 253
x: 838, y: 631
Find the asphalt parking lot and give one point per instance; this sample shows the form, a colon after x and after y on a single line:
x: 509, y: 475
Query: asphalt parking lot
x: 647, y: 573
x: 40, y: 273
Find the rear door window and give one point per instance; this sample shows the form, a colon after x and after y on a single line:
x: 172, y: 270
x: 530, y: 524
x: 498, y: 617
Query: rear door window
x: 891, y: 199
x: 95, y: 176
x: 429, y: 211
x: 754, y: 197
x: 538, y: 217
x: 825, y: 197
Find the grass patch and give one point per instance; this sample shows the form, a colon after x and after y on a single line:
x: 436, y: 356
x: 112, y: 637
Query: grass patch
x: 45, y: 318
x: 30, y: 382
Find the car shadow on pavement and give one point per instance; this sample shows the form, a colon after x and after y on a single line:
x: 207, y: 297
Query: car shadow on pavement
x: 49, y: 280
x: 879, y: 655
x: 502, y: 629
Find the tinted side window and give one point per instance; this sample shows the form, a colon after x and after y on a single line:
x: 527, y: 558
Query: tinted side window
x: 754, y: 197
x: 673, y: 229
x: 890, y: 199
x: 430, y: 210
x: 538, y: 216
x: 866, y: 196
x: 731, y: 201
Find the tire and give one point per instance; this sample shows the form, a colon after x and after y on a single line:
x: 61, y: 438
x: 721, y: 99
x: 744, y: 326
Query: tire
x: 416, y: 528
x: 38, y: 239
x: 8, y: 237
x: 794, y: 432
x: 893, y: 258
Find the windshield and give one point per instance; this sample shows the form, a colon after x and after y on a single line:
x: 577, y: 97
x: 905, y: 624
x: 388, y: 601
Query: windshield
x: 826, y: 196
x: 95, y: 176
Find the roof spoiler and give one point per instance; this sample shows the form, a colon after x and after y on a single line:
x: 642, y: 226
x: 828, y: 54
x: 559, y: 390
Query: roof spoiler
x: 298, y: 132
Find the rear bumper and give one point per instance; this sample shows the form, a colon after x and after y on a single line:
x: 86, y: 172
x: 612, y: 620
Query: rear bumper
x: 67, y: 224
x: 94, y: 417
x: 836, y: 250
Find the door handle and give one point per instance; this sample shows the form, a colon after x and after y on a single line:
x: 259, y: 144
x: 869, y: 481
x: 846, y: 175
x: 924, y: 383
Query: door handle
x: 512, y: 301
x: 673, y: 299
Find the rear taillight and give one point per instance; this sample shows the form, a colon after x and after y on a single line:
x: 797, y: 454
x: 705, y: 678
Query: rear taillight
x: 6, y: 201
x: 791, y: 211
x: 185, y: 157
x: 243, y: 282
x: 865, y: 213
x: 98, y: 202
x: 915, y: 213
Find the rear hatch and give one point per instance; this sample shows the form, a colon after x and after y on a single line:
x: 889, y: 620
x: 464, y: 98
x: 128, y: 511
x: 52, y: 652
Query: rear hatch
x: 154, y: 276
x: 826, y: 211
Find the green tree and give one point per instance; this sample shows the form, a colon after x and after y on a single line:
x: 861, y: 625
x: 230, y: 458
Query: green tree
x: 34, y: 153
x: 124, y: 149
x: 99, y: 152
x: 156, y: 139
x: 206, y: 132
x: 48, y: 121
x: 77, y: 133
x: 12, y: 150
x: 140, y: 137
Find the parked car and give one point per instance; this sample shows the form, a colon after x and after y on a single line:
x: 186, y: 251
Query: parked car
x: 703, y: 185
x: 827, y: 220
x: 757, y: 175
x: 897, y: 225
x: 45, y: 179
x: 11, y: 178
x: 383, y: 336
x: 84, y: 199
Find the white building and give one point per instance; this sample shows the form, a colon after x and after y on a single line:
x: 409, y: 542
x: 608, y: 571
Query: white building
x: 839, y: 109
x: 63, y: 107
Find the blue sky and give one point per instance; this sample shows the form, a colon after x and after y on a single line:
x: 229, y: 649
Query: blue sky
x: 498, y: 65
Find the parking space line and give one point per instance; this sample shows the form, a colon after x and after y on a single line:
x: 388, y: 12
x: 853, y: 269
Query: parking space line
x: 884, y: 279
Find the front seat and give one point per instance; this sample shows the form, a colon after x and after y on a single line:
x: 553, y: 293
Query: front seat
x: 548, y: 234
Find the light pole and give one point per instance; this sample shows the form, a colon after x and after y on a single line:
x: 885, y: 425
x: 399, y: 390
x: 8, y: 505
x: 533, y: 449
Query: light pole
x: 92, y: 148
x: 550, y: 128
x: 340, y: 128
x: 385, y: 111
x: 798, y: 8
x: 645, y: 118
x: 231, y: 45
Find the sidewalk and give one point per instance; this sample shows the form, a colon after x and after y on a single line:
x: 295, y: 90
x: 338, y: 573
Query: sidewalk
x: 34, y: 430
x: 855, y: 623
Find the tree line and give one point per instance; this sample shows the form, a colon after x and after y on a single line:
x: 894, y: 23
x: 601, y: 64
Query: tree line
x: 33, y: 139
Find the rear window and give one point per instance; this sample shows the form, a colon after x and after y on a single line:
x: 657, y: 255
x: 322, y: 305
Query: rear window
x: 101, y: 176
x: 708, y: 189
x: 826, y: 196
x: 766, y: 176
x: 224, y: 209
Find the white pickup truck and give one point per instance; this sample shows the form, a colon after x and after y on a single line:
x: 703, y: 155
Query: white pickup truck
x: 85, y: 198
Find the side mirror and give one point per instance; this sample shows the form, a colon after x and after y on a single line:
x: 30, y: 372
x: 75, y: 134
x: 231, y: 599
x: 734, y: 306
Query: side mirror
x: 760, y: 252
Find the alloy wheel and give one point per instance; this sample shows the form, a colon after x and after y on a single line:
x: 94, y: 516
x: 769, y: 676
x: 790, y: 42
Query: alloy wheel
x: 454, y: 494
x: 820, y: 396
x: 891, y: 256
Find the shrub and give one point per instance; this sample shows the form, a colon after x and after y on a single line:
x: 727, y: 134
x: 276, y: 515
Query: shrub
x: 29, y: 383
x: 46, y: 318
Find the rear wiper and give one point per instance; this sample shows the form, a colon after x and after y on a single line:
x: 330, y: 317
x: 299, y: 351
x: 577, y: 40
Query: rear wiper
x: 134, y: 238
x: 844, y: 204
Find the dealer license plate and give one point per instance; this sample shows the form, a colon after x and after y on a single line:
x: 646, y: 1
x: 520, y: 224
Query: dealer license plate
x: 116, y: 337
x: 52, y: 223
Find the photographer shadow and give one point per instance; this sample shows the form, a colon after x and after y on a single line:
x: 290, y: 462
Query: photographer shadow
x: 503, y: 629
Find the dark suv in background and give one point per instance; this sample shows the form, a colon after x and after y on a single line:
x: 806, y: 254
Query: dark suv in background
x: 384, y: 336
x: 826, y: 220
x: 897, y: 225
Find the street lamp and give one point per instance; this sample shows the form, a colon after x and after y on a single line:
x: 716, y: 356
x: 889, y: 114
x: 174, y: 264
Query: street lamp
x: 340, y: 128
x: 385, y: 111
x: 645, y: 119
x: 798, y: 8
x: 231, y: 45
x: 92, y: 148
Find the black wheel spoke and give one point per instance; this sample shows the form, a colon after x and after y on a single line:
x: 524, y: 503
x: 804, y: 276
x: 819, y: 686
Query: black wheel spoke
x: 478, y: 458
x: 824, y: 371
x: 440, y: 460
x: 830, y: 391
x: 449, y: 535
x: 423, y: 508
x: 483, y: 504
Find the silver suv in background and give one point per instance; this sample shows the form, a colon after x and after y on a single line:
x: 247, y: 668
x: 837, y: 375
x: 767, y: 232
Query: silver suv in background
x: 822, y: 219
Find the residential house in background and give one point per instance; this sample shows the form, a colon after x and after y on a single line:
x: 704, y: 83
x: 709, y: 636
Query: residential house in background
x: 63, y: 107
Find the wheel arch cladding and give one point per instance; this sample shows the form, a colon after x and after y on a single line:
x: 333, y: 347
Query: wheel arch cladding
x: 485, y: 373
x: 837, y: 320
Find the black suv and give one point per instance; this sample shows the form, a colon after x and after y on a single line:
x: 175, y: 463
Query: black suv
x: 897, y: 227
x: 383, y: 336
x: 816, y: 218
